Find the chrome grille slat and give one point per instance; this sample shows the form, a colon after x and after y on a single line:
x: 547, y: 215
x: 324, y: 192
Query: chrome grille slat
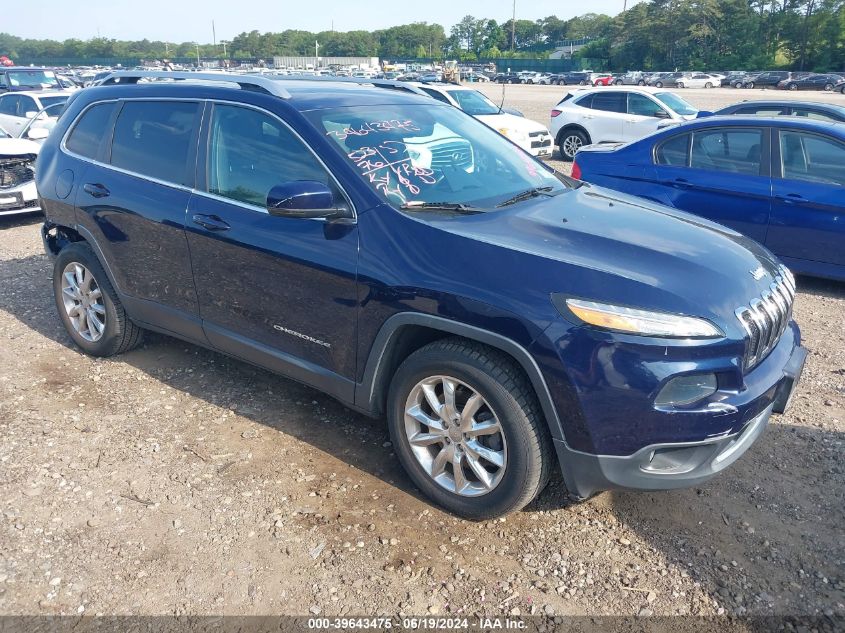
x: 766, y: 318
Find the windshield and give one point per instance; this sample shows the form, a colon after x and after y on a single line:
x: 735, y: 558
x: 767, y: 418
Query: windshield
x: 473, y: 102
x: 427, y: 154
x: 4, y: 133
x: 33, y: 79
x: 676, y: 103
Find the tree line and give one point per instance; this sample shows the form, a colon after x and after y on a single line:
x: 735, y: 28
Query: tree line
x: 654, y: 35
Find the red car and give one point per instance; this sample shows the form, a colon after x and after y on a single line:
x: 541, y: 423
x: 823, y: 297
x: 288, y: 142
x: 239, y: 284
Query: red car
x: 603, y: 80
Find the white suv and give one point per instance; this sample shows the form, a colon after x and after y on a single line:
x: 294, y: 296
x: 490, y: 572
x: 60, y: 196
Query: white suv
x: 531, y: 136
x: 617, y: 115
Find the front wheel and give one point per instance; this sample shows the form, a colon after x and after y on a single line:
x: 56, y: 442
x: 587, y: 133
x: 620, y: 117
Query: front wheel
x: 750, y: 85
x: 708, y: 85
x: 680, y: 84
x: 88, y: 306
x: 793, y: 86
x: 659, y: 84
x: 468, y: 429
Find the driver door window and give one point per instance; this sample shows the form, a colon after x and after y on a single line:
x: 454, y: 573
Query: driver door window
x: 251, y: 152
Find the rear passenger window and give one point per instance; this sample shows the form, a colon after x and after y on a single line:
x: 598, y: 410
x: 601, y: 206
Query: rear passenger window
x: 674, y: 151
x: 250, y: 152
x: 152, y: 138
x: 730, y: 150
x: 89, y: 130
x: 610, y: 101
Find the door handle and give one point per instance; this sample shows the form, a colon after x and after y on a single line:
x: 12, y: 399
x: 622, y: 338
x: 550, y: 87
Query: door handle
x: 792, y: 198
x: 211, y: 222
x: 96, y: 190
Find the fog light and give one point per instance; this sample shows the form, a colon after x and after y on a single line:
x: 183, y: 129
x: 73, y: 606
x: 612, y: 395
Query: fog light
x: 686, y: 390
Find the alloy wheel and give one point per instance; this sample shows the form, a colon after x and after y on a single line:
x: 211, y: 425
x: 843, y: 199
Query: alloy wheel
x: 455, y: 436
x: 571, y: 144
x: 83, y: 302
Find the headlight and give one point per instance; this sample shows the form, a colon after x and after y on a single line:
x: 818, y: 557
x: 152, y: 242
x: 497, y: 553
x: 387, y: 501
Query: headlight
x: 514, y: 135
x: 633, y: 321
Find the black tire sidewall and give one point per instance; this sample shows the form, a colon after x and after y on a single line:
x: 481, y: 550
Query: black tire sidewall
x: 82, y: 254
x: 512, y: 486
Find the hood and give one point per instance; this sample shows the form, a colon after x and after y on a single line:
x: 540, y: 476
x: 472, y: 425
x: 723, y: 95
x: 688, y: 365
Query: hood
x: 601, y: 245
x: 17, y: 147
x: 497, y: 121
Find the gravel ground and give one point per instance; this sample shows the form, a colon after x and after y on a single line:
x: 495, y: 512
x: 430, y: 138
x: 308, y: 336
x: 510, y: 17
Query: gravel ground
x: 173, y: 480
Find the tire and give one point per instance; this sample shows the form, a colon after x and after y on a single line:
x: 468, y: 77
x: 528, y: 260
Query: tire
x: 828, y: 87
x: 680, y: 84
x: 570, y: 141
x: 618, y: 82
x: 522, y: 442
x: 791, y: 87
x: 641, y: 83
x: 115, y: 333
x: 749, y: 85
x: 659, y: 84
x: 708, y: 85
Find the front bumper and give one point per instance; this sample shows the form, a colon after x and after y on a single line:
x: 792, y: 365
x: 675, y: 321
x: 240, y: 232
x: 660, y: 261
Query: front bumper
x: 666, y: 466
x: 20, y: 199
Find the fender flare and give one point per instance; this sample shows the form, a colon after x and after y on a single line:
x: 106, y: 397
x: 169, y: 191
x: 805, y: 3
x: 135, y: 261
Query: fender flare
x: 366, y: 396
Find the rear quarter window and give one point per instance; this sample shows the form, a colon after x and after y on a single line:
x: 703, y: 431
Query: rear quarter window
x: 673, y: 152
x: 89, y: 130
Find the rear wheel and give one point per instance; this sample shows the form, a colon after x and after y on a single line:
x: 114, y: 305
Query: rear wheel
x: 749, y: 85
x: 468, y: 429
x: 88, y: 305
x: 680, y: 84
x: 828, y: 87
x: 708, y: 85
x: 570, y: 141
x: 793, y: 86
x: 659, y: 84
x: 641, y: 83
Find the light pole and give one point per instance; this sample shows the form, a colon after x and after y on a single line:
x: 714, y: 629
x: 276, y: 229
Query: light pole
x: 513, y: 28
x: 198, y: 54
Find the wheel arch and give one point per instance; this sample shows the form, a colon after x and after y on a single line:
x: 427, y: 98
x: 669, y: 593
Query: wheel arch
x: 572, y: 126
x: 404, y: 333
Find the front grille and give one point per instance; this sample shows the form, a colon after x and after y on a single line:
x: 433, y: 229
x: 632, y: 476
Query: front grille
x: 546, y: 143
x: 15, y: 172
x: 538, y: 133
x: 455, y: 154
x: 766, y: 318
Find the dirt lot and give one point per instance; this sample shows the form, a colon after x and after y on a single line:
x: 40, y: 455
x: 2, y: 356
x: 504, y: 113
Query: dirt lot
x: 173, y: 480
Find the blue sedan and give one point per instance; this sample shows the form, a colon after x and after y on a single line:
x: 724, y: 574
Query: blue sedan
x: 779, y: 180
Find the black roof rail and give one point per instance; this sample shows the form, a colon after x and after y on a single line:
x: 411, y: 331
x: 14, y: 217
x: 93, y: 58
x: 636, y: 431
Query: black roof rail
x: 244, y: 81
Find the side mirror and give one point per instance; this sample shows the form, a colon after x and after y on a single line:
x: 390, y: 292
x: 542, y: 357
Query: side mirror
x: 38, y: 134
x: 306, y: 199
x: 662, y: 114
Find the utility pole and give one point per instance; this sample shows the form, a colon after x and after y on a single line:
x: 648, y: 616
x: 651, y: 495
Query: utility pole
x: 513, y: 28
x: 198, y: 54
x: 213, y: 34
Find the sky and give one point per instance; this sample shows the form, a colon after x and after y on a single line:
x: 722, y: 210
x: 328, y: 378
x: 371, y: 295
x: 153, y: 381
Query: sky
x: 175, y: 21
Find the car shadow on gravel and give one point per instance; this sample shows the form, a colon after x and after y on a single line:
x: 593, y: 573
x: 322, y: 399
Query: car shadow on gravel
x: 779, y: 507
x: 822, y: 287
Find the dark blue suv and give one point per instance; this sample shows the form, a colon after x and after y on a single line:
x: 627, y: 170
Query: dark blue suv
x: 406, y: 259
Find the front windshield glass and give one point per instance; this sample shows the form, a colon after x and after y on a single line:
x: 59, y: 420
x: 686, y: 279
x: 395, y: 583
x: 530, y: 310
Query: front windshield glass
x: 4, y: 133
x: 33, y: 79
x: 428, y: 154
x: 676, y: 103
x: 473, y: 102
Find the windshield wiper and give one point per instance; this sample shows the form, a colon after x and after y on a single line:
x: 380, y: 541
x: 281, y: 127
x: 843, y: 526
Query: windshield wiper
x: 527, y: 194
x: 448, y: 206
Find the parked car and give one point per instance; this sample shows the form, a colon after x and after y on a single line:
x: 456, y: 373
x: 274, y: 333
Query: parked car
x: 13, y: 78
x: 17, y: 108
x: 778, y: 180
x: 827, y: 83
x: 531, y: 136
x: 665, y: 80
x: 17, y: 175
x: 630, y: 79
x: 804, y: 109
x: 507, y: 78
x: 620, y: 114
x: 572, y: 78
x: 411, y: 262
x: 697, y: 80
x: 533, y: 78
x: 602, y: 79
x: 735, y: 80
x: 769, y: 78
